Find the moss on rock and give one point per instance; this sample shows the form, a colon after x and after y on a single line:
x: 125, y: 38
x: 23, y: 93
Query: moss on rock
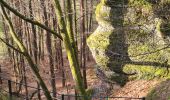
x: 146, y: 72
x: 129, y: 40
x: 160, y: 92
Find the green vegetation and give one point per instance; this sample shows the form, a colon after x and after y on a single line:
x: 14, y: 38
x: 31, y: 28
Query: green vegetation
x: 160, y: 92
x: 144, y: 60
x: 130, y: 43
x: 4, y: 96
x: 141, y: 3
x: 146, y: 72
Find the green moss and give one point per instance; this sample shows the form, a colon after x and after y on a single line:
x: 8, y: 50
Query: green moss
x: 90, y: 92
x: 99, y: 40
x: 102, y: 61
x: 99, y: 43
x: 98, y: 8
x: 152, y: 95
x: 142, y: 54
x: 103, y: 2
x: 109, y: 37
x: 146, y: 72
x: 4, y: 96
x: 103, y: 14
x: 140, y: 3
x: 141, y: 14
x: 160, y: 92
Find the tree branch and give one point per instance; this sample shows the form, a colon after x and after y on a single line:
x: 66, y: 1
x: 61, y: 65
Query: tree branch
x: 30, y: 61
x: 9, y: 45
x: 29, y: 19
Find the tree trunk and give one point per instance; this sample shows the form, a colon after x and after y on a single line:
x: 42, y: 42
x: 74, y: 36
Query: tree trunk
x: 49, y: 50
x: 75, y: 69
x: 27, y: 56
x: 83, y: 42
x: 34, y: 45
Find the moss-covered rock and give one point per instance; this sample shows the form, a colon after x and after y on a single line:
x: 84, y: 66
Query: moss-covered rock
x: 160, y: 92
x: 131, y: 41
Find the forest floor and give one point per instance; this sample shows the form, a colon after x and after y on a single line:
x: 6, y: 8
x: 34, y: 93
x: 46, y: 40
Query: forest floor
x: 136, y: 89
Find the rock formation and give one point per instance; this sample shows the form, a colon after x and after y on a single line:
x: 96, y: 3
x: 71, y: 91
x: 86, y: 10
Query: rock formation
x: 131, y: 40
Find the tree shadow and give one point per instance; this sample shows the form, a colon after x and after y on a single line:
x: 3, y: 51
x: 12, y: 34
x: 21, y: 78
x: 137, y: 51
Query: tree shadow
x: 117, y: 51
x: 117, y: 40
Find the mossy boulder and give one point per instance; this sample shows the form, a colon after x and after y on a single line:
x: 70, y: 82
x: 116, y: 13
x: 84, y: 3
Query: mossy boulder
x: 132, y: 39
x: 160, y: 92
